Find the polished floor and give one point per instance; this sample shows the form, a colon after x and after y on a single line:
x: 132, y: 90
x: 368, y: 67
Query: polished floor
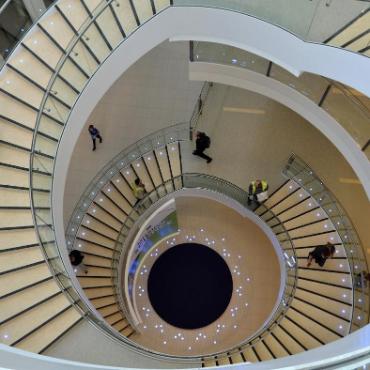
x: 255, y: 271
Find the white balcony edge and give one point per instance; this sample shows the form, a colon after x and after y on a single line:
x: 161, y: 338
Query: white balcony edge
x: 349, y: 348
x: 239, y: 30
x: 318, y: 117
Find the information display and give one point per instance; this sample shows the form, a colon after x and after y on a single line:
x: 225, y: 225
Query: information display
x: 163, y: 225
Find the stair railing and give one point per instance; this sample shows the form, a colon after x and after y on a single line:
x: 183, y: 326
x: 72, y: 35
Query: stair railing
x: 220, y: 186
x: 198, y: 108
x: 19, y: 26
x: 300, y: 172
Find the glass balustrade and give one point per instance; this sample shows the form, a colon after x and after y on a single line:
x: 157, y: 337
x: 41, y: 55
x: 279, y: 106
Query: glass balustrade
x: 348, y: 107
x: 87, y: 49
x: 225, y: 188
x: 15, y: 20
x: 300, y: 172
x: 314, y: 21
x: 159, y: 139
x: 44, y: 219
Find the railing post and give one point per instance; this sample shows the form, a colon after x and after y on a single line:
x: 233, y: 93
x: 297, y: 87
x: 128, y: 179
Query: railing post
x: 191, y: 51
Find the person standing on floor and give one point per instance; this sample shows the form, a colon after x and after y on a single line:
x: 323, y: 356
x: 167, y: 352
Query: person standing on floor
x: 95, y: 134
x: 202, y: 143
x: 320, y: 254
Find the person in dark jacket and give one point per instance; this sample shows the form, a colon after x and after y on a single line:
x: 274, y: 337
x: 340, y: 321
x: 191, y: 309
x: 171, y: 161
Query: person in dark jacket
x: 76, y: 258
x: 95, y: 134
x: 361, y: 279
x: 320, y: 254
x: 202, y: 143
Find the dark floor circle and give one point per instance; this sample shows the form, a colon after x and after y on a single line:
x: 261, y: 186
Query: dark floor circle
x: 190, y: 286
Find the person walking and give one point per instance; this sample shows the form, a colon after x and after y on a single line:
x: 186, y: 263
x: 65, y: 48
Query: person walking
x: 202, y: 143
x: 138, y: 188
x: 257, y: 191
x: 95, y: 134
x: 320, y: 254
x: 76, y: 258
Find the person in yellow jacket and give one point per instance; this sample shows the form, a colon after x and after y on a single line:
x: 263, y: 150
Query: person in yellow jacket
x: 138, y: 188
x: 257, y: 187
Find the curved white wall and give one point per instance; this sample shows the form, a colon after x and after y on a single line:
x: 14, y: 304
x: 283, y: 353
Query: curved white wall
x: 221, y: 26
x: 346, y: 349
x: 318, y: 117
x: 251, y: 34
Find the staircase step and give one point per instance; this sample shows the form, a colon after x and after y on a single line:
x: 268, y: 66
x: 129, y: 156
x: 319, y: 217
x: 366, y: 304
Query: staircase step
x: 23, y: 325
x: 27, y: 298
x: 46, y: 335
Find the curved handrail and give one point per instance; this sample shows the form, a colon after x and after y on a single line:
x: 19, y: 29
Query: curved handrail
x: 351, y: 352
x: 49, y: 248
x: 299, y: 171
x: 308, y: 12
x: 175, y: 133
x: 312, y: 11
x: 3, y: 9
x: 230, y: 190
x: 45, y: 218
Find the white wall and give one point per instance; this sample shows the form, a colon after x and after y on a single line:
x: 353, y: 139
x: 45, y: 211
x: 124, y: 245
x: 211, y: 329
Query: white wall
x: 345, y: 349
x: 154, y: 93
x: 84, y: 343
x: 238, y: 30
x: 318, y: 117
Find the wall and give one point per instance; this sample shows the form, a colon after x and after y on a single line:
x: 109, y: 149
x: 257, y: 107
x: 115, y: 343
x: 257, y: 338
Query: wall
x: 253, y: 136
x: 84, y: 343
x: 154, y: 93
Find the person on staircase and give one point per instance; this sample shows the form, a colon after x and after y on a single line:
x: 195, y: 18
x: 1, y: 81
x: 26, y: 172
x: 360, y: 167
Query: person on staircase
x: 320, y: 254
x: 95, y: 134
x: 362, y: 279
x: 138, y: 188
x: 257, y: 191
x: 76, y: 258
x: 202, y: 143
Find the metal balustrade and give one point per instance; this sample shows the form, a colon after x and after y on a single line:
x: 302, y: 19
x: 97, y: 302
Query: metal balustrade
x: 297, y: 170
x: 55, y: 75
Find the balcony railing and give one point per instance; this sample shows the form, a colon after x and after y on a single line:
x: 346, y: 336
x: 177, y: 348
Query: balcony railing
x: 43, y: 155
x: 311, y: 21
x: 349, y: 108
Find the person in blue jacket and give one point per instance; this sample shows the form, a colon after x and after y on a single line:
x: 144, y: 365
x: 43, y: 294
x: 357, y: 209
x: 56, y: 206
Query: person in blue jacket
x: 95, y: 134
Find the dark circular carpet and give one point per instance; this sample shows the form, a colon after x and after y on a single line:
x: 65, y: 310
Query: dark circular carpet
x: 190, y: 286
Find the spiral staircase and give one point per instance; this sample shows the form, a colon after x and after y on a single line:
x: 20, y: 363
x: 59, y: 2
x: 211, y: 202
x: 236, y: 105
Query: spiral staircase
x: 39, y: 85
x: 322, y: 308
